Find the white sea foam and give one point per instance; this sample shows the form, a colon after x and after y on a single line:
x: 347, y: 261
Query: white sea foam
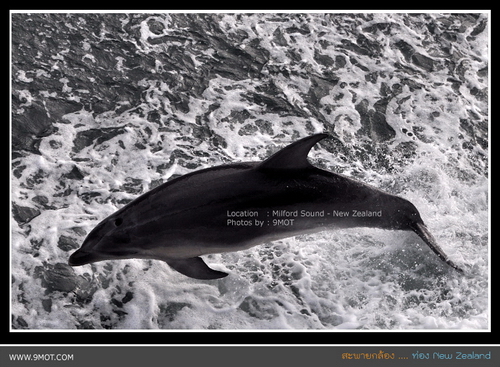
x: 350, y: 279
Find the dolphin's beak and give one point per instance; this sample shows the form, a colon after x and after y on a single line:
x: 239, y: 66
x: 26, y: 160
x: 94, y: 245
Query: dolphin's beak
x: 423, y: 232
x: 81, y: 257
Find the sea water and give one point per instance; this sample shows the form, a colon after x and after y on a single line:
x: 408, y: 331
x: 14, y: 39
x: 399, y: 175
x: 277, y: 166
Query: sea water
x: 109, y: 106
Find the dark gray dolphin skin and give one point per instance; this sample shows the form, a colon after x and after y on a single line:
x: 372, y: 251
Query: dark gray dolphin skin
x: 236, y: 206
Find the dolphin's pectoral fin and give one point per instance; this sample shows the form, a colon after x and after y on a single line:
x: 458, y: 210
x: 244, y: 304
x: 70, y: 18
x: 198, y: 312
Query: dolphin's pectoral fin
x: 195, y: 267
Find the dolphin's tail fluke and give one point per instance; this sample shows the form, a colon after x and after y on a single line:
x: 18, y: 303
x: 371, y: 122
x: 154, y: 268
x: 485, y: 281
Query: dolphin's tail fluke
x: 423, y: 232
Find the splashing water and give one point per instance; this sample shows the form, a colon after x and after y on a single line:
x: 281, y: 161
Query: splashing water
x: 108, y: 106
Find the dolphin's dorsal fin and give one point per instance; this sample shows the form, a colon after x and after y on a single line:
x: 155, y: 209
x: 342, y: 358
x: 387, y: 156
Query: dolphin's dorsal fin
x: 294, y: 156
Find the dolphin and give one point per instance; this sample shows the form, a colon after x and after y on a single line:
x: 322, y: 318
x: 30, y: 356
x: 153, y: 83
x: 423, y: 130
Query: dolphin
x: 236, y: 206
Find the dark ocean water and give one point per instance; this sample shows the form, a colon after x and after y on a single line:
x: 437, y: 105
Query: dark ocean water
x: 108, y: 106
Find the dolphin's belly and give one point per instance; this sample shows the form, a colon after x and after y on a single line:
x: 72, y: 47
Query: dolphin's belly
x: 206, y: 234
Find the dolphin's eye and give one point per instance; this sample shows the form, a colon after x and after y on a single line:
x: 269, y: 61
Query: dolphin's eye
x: 118, y: 222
